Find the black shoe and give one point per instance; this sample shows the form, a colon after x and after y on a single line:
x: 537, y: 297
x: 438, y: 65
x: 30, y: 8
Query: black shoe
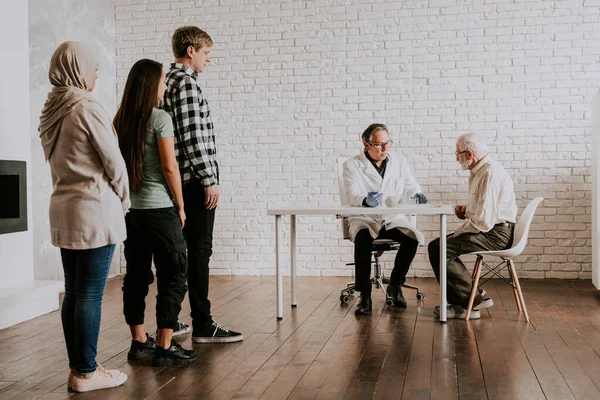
x: 364, y: 306
x: 174, y: 355
x: 394, y: 292
x: 215, y: 333
x: 141, y: 350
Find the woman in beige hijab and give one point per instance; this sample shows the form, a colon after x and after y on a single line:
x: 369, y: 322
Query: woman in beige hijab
x: 89, y: 200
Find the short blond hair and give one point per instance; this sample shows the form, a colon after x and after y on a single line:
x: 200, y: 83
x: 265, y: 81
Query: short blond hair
x: 187, y: 36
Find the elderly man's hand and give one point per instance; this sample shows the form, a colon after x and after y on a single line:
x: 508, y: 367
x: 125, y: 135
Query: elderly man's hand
x: 460, y: 211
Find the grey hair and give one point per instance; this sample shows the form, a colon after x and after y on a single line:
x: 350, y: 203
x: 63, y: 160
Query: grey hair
x: 473, y: 142
x: 372, y: 129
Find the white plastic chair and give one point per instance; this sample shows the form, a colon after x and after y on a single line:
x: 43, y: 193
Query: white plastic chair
x: 519, y: 241
x: 379, y: 247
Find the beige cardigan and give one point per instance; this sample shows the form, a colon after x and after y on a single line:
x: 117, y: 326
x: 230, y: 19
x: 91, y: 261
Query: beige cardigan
x: 89, y: 177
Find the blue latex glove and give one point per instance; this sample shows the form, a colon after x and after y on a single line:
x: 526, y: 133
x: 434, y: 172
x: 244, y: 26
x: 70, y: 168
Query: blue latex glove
x: 420, y: 198
x: 373, y: 199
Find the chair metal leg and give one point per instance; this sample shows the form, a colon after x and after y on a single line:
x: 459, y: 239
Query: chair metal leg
x: 380, y: 284
x: 514, y: 287
x: 377, y: 273
x: 476, y: 274
x: 420, y: 295
x: 519, y: 291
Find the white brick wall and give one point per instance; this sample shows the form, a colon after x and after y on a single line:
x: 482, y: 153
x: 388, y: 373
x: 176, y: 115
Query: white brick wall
x: 293, y: 83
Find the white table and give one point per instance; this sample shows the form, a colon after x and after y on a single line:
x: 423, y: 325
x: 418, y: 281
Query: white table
x: 407, y: 209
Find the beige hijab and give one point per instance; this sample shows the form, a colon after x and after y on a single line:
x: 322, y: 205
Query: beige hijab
x: 72, y: 71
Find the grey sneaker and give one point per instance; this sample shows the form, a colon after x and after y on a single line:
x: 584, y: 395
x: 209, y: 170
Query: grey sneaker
x: 181, y: 329
x: 486, y: 302
x: 454, y: 311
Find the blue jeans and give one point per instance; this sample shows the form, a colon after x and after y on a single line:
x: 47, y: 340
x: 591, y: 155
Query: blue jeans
x: 85, y: 277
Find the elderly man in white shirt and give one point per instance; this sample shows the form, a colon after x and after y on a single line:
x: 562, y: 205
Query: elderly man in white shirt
x: 489, y: 218
x: 375, y: 178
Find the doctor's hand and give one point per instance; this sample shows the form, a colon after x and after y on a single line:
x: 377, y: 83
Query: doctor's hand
x: 460, y: 211
x: 419, y: 198
x: 373, y: 199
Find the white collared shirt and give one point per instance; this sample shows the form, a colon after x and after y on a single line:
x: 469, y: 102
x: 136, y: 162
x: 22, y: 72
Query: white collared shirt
x: 491, y: 198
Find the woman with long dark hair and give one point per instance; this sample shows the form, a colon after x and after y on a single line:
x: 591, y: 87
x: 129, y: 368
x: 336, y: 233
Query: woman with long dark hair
x: 89, y: 199
x: 156, y: 219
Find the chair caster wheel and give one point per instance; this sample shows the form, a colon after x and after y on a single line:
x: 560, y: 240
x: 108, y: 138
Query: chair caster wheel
x: 389, y: 302
x: 351, y: 292
x: 420, y: 296
x: 344, y: 298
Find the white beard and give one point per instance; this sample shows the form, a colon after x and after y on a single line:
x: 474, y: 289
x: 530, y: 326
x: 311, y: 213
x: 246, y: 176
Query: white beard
x: 466, y: 164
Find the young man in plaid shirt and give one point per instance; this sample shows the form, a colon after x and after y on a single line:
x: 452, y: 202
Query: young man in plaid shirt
x: 197, y: 156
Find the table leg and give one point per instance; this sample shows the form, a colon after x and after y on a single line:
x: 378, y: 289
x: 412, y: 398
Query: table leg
x: 278, y: 266
x: 293, y: 258
x: 443, y: 283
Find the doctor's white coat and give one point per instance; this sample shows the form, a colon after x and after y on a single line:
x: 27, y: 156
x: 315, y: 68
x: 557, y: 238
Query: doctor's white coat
x: 397, y: 186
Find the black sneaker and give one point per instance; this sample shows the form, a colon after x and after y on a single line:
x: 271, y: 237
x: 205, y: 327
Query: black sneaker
x: 215, y: 333
x: 141, y: 350
x: 174, y: 355
x: 181, y: 328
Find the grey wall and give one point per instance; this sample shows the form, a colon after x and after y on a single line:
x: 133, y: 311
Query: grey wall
x: 50, y: 24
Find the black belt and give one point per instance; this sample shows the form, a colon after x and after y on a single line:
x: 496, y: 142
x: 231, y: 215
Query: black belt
x: 505, y: 224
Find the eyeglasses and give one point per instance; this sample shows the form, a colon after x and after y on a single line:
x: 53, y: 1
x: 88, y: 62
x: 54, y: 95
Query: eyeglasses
x: 380, y: 146
x: 458, y: 154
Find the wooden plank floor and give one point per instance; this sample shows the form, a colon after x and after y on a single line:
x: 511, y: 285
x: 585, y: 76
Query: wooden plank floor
x: 320, y: 350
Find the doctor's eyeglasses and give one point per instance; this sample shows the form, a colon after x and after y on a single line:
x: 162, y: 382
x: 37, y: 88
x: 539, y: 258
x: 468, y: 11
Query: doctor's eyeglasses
x: 381, y: 146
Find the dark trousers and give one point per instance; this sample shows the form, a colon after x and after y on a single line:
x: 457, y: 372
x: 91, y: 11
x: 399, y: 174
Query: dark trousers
x: 198, y: 231
x: 85, y: 277
x: 459, y: 277
x: 363, y: 246
x: 154, y: 233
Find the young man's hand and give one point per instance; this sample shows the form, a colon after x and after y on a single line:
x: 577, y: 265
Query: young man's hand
x: 212, y: 196
x: 182, y: 217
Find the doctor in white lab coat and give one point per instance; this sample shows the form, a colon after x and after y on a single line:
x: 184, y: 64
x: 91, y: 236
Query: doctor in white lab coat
x: 376, y: 178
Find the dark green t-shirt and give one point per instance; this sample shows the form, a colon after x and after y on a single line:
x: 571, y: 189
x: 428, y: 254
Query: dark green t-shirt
x: 154, y: 191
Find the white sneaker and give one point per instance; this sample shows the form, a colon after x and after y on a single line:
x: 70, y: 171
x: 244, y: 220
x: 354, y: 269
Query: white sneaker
x: 454, y: 311
x: 70, y: 379
x: 100, y: 379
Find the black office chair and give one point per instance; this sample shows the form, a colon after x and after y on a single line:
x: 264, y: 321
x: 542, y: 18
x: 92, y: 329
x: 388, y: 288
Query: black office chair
x: 379, y: 247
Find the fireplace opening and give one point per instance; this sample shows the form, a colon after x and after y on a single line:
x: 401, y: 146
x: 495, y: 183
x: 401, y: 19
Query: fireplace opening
x: 9, y: 202
x: 13, y: 201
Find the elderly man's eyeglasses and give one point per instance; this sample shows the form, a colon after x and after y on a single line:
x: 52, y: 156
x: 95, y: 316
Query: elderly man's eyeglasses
x: 458, y: 154
x: 381, y: 146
